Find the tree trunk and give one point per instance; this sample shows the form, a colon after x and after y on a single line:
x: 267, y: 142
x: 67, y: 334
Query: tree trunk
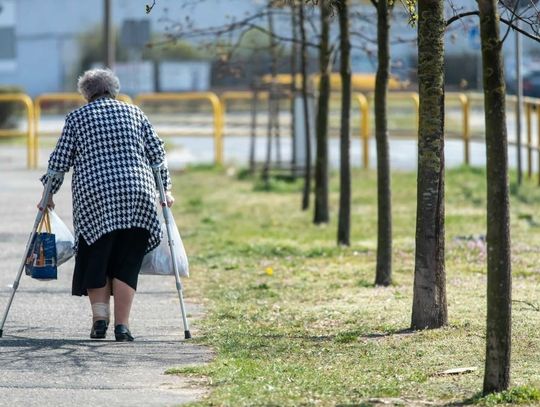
x: 429, y: 300
x: 344, y: 222
x: 303, y: 70
x: 294, y: 70
x: 499, y: 284
x: 253, y: 136
x: 384, y: 205
x: 277, y: 131
x: 269, y: 127
x: 321, y: 165
x: 274, y: 97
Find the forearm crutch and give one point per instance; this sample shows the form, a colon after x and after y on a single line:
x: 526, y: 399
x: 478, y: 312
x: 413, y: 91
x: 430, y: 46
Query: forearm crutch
x: 41, y: 212
x: 169, y: 225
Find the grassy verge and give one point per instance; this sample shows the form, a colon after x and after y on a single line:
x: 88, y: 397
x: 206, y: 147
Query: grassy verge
x: 295, y: 319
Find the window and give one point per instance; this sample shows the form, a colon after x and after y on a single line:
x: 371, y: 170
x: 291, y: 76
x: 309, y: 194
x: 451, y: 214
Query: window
x: 8, y: 44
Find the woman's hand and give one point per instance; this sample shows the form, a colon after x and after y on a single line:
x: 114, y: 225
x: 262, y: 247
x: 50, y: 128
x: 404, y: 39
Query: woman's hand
x: 169, y: 198
x: 50, y: 204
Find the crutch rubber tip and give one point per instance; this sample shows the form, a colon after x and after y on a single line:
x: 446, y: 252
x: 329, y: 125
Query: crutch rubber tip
x: 187, y: 335
x: 1, y: 332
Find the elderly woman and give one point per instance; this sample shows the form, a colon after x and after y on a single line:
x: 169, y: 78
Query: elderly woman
x: 111, y: 146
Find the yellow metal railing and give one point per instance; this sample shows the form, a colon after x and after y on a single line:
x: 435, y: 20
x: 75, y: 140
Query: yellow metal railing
x: 364, y: 105
x: 228, y: 96
x: 30, y: 129
x: 364, y: 126
x: 190, y: 96
x: 219, y: 107
x: 74, y: 98
x: 406, y: 96
x: 465, y: 130
x: 531, y: 105
x: 411, y: 96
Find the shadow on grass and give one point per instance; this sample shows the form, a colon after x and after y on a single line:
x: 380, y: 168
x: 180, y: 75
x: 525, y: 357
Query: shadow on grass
x: 342, y: 337
x: 379, y: 335
x: 312, y: 338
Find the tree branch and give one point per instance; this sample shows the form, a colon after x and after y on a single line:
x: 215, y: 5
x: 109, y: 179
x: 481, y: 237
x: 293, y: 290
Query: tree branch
x: 503, y: 20
x: 460, y: 16
x: 530, y: 304
x: 149, y: 7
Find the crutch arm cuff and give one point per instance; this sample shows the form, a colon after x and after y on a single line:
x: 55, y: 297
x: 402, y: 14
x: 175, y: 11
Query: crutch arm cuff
x: 158, y: 166
x: 56, y: 177
x: 55, y: 174
x: 163, y: 171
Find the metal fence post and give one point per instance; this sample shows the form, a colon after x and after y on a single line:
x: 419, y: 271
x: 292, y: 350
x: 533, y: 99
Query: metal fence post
x: 30, y: 131
x: 465, y: 106
x: 364, y: 127
x: 208, y: 96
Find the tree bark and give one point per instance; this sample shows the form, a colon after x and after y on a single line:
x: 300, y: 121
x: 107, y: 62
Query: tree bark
x: 429, y: 298
x: 253, y: 136
x: 384, y: 205
x: 321, y: 165
x: 294, y: 70
x: 499, y: 284
x: 273, y: 87
x: 303, y: 70
x: 344, y: 221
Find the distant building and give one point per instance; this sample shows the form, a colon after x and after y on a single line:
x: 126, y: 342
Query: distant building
x: 40, y: 47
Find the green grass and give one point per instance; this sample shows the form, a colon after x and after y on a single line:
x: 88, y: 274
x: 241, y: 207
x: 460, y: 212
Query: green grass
x: 295, y: 320
x: 517, y: 395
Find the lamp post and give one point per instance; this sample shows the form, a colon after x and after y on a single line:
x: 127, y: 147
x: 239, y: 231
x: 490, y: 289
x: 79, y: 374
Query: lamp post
x: 108, y: 37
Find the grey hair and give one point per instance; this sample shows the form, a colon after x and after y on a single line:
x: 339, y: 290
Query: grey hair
x: 98, y: 82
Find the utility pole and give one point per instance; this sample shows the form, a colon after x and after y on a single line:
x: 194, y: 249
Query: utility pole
x: 108, y: 36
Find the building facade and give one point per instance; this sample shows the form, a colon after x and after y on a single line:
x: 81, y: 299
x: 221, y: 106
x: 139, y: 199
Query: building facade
x: 40, y: 39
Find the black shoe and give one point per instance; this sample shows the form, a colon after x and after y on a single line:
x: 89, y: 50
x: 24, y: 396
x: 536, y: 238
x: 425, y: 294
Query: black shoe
x: 99, y: 329
x: 122, y: 334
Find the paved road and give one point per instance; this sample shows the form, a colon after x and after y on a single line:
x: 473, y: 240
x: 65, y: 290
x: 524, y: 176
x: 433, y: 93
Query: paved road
x: 46, y: 356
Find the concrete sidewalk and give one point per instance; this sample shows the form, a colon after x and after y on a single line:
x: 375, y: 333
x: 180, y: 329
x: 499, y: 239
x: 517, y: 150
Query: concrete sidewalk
x: 46, y: 355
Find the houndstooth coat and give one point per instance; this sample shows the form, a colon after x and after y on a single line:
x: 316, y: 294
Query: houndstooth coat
x: 110, y: 145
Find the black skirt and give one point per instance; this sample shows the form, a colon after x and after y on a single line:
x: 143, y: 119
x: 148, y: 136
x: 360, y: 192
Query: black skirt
x: 118, y: 254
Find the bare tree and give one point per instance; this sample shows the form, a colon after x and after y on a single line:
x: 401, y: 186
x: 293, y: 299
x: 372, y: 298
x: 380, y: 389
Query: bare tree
x: 321, y: 214
x: 303, y: 70
x: 499, y: 286
x: 344, y: 220
x: 499, y: 291
x: 429, y: 299
x: 384, y: 197
x: 294, y: 71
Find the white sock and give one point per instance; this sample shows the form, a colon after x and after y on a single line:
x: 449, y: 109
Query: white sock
x: 101, y: 310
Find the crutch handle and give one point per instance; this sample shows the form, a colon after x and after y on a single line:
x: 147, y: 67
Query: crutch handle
x: 51, y: 176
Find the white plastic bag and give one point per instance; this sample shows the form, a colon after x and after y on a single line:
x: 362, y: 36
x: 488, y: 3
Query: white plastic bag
x: 64, y: 238
x: 159, y: 261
